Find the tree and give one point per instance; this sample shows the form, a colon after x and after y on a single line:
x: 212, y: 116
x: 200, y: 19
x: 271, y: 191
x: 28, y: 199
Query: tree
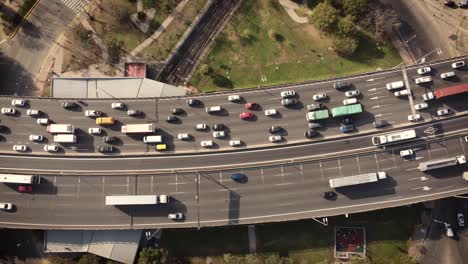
x: 324, y: 17
x: 345, y: 45
x: 89, y: 259
x: 206, y: 69
x: 231, y: 259
x: 252, y: 259
x: 153, y: 256
x: 354, y: 8
x: 346, y: 27
x: 273, y: 259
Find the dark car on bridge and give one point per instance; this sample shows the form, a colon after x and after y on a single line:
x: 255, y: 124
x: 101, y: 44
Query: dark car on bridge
x: 218, y: 127
x: 193, y: 102
x: 177, y: 111
x: 330, y: 195
x: 310, y: 133
x: 239, y: 177
x: 25, y: 188
x: 346, y: 128
x: 105, y: 148
x: 69, y: 105
x: 275, y: 129
x: 172, y: 119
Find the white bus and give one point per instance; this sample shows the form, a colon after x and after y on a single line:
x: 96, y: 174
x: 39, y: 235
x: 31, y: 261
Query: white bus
x: 442, y: 163
x: 394, y: 137
x: 138, y: 128
x: 17, y: 178
x: 136, y: 199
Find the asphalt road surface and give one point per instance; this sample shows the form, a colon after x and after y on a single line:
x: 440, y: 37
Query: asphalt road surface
x: 378, y: 104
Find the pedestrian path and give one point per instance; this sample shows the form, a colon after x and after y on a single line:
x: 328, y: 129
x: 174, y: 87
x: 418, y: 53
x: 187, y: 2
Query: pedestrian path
x: 76, y: 5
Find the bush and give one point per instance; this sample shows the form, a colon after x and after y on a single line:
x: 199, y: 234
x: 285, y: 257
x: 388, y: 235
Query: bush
x: 344, y: 45
x: 89, y: 259
x: 354, y: 8
x: 324, y: 17
x: 153, y: 256
x: 346, y: 27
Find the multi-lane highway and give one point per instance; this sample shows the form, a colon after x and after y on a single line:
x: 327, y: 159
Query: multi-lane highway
x: 378, y: 103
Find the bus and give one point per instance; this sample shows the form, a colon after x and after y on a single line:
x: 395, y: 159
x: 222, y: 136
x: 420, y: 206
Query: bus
x: 17, y: 178
x: 394, y: 137
x: 138, y: 128
x: 442, y: 163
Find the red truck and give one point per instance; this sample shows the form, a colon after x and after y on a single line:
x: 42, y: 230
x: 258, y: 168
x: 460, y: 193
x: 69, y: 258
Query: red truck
x: 448, y: 91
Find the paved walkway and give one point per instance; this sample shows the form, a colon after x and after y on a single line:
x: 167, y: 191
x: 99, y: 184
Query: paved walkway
x: 160, y: 30
x: 290, y: 8
x: 105, y: 54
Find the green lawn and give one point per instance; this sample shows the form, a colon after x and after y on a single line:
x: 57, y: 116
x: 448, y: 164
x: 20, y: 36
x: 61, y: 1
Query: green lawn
x: 305, y: 241
x: 261, y: 40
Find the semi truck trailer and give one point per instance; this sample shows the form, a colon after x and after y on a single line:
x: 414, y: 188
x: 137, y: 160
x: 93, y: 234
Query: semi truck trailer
x: 357, y: 179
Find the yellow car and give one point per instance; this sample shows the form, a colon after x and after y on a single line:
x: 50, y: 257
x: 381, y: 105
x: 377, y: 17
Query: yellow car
x: 160, y: 147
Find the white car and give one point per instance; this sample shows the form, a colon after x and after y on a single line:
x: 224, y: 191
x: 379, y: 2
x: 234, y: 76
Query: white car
x: 271, y: 112
x: 422, y: 80
x: 33, y: 112
x: 93, y: 113
x: 424, y: 70
x: 406, y: 152
x: 176, y: 216
x: 447, y: 75
x: 421, y: 106
x: 6, y: 206
x: 234, y: 98
x: 352, y: 93
x: 287, y: 94
x: 219, y: 134
x: 51, y: 148
x: 206, y: 143
x: 8, y: 111
x: 183, y: 136
x: 320, y: 96
x: 445, y: 111
x: 117, y: 105
x: 20, y: 148
x: 275, y: 138
x: 36, y: 137
x: 17, y: 102
x: 200, y: 126
x: 42, y: 121
x: 235, y: 142
x: 449, y: 230
x: 414, y: 118
x: 458, y: 64
x: 401, y: 93
x: 461, y: 219
x: 395, y: 85
x: 94, y: 130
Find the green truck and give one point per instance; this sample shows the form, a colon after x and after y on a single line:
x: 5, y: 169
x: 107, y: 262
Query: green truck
x: 346, y: 110
x: 317, y: 115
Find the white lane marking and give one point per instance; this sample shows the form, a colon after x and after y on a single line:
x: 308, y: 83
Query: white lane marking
x: 378, y: 97
x: 423, y: 188
x: 371, y: 84
x: 419, y: 178
x: 375, y: 89
x: 375, y: 79
x: 412, y: 169
x: 382, y: 114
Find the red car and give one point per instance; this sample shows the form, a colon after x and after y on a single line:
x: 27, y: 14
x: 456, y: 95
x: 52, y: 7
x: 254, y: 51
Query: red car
x: 246, y: 115
x: 251, y: 106
x: 25, y: 188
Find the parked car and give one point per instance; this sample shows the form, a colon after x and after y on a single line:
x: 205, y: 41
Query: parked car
x: 380, y: 123
x: 251, y: 106
x: 287, y: 94
x: 246, y: 115
x: 275, y: 129
x: 320, y: 96
x: 271, y: 112
x: 176, y: 216
x: 117, y: 105
x: 275, y: 138
x: 8, y: 111
x: 133, y: 112
x: 341, y: 85
x: 25, y: 188
x: 36, y: 138
x: 414, y: 118
x: 447, y: 75
x: 458, y: 65
x: 18, y: 102
x: 239, y: 177
x: 288, y: 102
x: 51, y: 148
x: 461, y: 219
x: 313, y: 107
x: 353, y: 93
x: 424, y: 70
x: 234, y: 98
x: 445, y: 111
x: 421, y: 80
x: 206, y: 143
x: 406, y: 152
x: 330, y: 195
x: 421, y: 106
x: 310, y: 133
x: 346, y: 128
x: 20, y: 148
x: 33, y: 112
x: 200, y: 127
x: 219, y: 134
x: 172, y: 119
x: 105, y: 148
x: 93, y: 113
x: 94, y: 130
x: 69, y: 105
x: 193, y: 102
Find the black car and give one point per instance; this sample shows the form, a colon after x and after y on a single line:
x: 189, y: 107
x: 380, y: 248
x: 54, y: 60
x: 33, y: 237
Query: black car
x: 177, y: 111
x: 193, y: 102
x: 341, y: 85
x: 380, y: 123
x: 3, y: 128
x: 238, y: 177
x: 449, y: 3
x: 347, y: 121
x: 105, y: 148
x: 108, y: 139
x: 69, y: 105
x: 310, y: 133
x: 463, y: 4
x: 330, y: 195
x: 346, y: 128
x: 218, y: 127
x: 275, y: 129
x: 172, y: 119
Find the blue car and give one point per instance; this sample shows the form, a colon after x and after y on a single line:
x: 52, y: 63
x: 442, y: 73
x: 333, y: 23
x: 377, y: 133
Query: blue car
x: 238, y: 177
x: 346, y: 128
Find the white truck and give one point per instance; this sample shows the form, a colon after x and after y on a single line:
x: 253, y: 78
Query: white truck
x: 357, y: 179
x: 60, y: 129
x: 394, y: 137
x: 17, y: 178
x: 138, y: 128
x: 65, y: 138
x: 442, y: 163
x: 136, y: 199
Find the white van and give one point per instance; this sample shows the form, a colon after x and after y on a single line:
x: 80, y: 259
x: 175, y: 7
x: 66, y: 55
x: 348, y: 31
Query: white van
x: 213, y: 109
x: 349, y: 101
x: 395, y: 85
x: 152, y: 139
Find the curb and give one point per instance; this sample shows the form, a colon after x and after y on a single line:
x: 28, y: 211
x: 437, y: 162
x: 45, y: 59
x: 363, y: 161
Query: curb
x: 20, y: 24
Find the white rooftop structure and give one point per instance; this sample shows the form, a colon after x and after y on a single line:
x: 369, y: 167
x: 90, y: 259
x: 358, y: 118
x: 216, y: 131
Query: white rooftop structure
x: 119, y: 87
x: 118, y: 245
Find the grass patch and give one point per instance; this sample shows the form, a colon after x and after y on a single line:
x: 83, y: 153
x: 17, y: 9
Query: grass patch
x: 162, y: 46
x: 163, y: 8
x: 12, y: 17
x: 304, y: 241
x: 262, y: 41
